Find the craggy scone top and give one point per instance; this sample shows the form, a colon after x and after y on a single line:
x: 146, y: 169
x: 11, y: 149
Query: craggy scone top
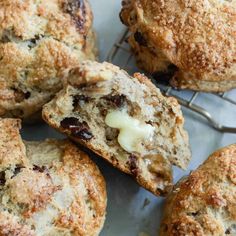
x: 47, y: 188
x: 205, y: 202
x: 38, y: 40
x: 198, y: 37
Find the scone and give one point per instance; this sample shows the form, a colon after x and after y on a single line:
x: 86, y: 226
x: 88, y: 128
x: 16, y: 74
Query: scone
x: 191, y: 43
x: 125, y: 120
x: 38, y: 41
x: 47, y: 188
x: 204, y: 203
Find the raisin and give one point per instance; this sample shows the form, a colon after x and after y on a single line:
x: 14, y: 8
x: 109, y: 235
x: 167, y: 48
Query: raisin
x: 117, y: 100
x: 140, y: 39
x: 27, y: 95
x: 72, y: 7
x: 124, y: 3
x: 164, y: 76
x: 133, y: 165
x: 17, y: 170
x: 2, y: 178
x: 40, y: 169
x: 149, y: 122
x: 20, y: 95
x: 193, y: 213
x: 78, y: 129
x: 78, y: 98
x: 33, y: 41
x: 36, y: 38
x: 231, y: 229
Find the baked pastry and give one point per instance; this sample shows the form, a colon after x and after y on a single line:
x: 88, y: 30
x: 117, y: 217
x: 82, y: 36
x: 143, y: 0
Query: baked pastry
x: 203, y: 203
x: 125, y: 120
x: 48, y: 187
x: 191, y: 43
x: 38, y: 40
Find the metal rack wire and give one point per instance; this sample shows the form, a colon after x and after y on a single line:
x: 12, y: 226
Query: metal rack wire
x: 121, y: 46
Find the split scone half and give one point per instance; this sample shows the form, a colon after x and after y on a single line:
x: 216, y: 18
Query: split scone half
x: 191, y: 43
x: 126, y: 120
x: 38, y: 41
x: 204, y: 203
x: 47, y: 188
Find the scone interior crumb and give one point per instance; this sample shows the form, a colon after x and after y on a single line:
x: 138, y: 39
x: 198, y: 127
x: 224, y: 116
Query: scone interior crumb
x: 94, y: 91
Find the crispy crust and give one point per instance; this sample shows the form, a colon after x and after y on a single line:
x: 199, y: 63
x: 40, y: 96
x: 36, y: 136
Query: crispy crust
x: 38, y: 41
x: 204, y: 202
x: 48, y: 187
x: 196, y: 36
x: 91, y: 73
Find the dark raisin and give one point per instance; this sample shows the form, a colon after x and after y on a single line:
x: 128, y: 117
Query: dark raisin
x: 133, y: 165
x: 117, y: 100
x: 124, y: 3
x: 140, y: 39
x: 27, y: 95
x: 193, y: 213
x: 80, y: 98
x: 20, y: 95
x: 17, y: 170
x: 40, y: 169
x: 231, y: 229
x: 36, y: 38
x: 2, y: 178
x: 78, y: 129
x: 72, y: 7
x: 33, y: 41
x: 164, y: 77
x: 149, y: 122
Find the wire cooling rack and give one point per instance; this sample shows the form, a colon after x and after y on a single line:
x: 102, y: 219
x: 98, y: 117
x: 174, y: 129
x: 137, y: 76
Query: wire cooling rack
x: 121, y: 55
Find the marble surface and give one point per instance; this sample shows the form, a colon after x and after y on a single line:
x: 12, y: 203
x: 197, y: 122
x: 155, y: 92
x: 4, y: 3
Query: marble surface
x: 132, y: 211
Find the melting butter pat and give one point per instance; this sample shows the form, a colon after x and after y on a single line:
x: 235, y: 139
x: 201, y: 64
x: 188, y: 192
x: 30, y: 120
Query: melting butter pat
x: 132, y: 131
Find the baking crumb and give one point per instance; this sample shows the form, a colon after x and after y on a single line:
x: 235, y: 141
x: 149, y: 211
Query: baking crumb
x: 146, y: 203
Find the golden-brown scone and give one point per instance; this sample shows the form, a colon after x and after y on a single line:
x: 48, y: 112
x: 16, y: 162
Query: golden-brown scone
x: 38, y: 41
x: 192, y: 43
x: 124, y: 119
x: 204, y: 203
x: 47, y: 188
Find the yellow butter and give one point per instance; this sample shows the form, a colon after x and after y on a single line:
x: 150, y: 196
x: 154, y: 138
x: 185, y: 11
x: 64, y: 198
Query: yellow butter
x: 132, y: 131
